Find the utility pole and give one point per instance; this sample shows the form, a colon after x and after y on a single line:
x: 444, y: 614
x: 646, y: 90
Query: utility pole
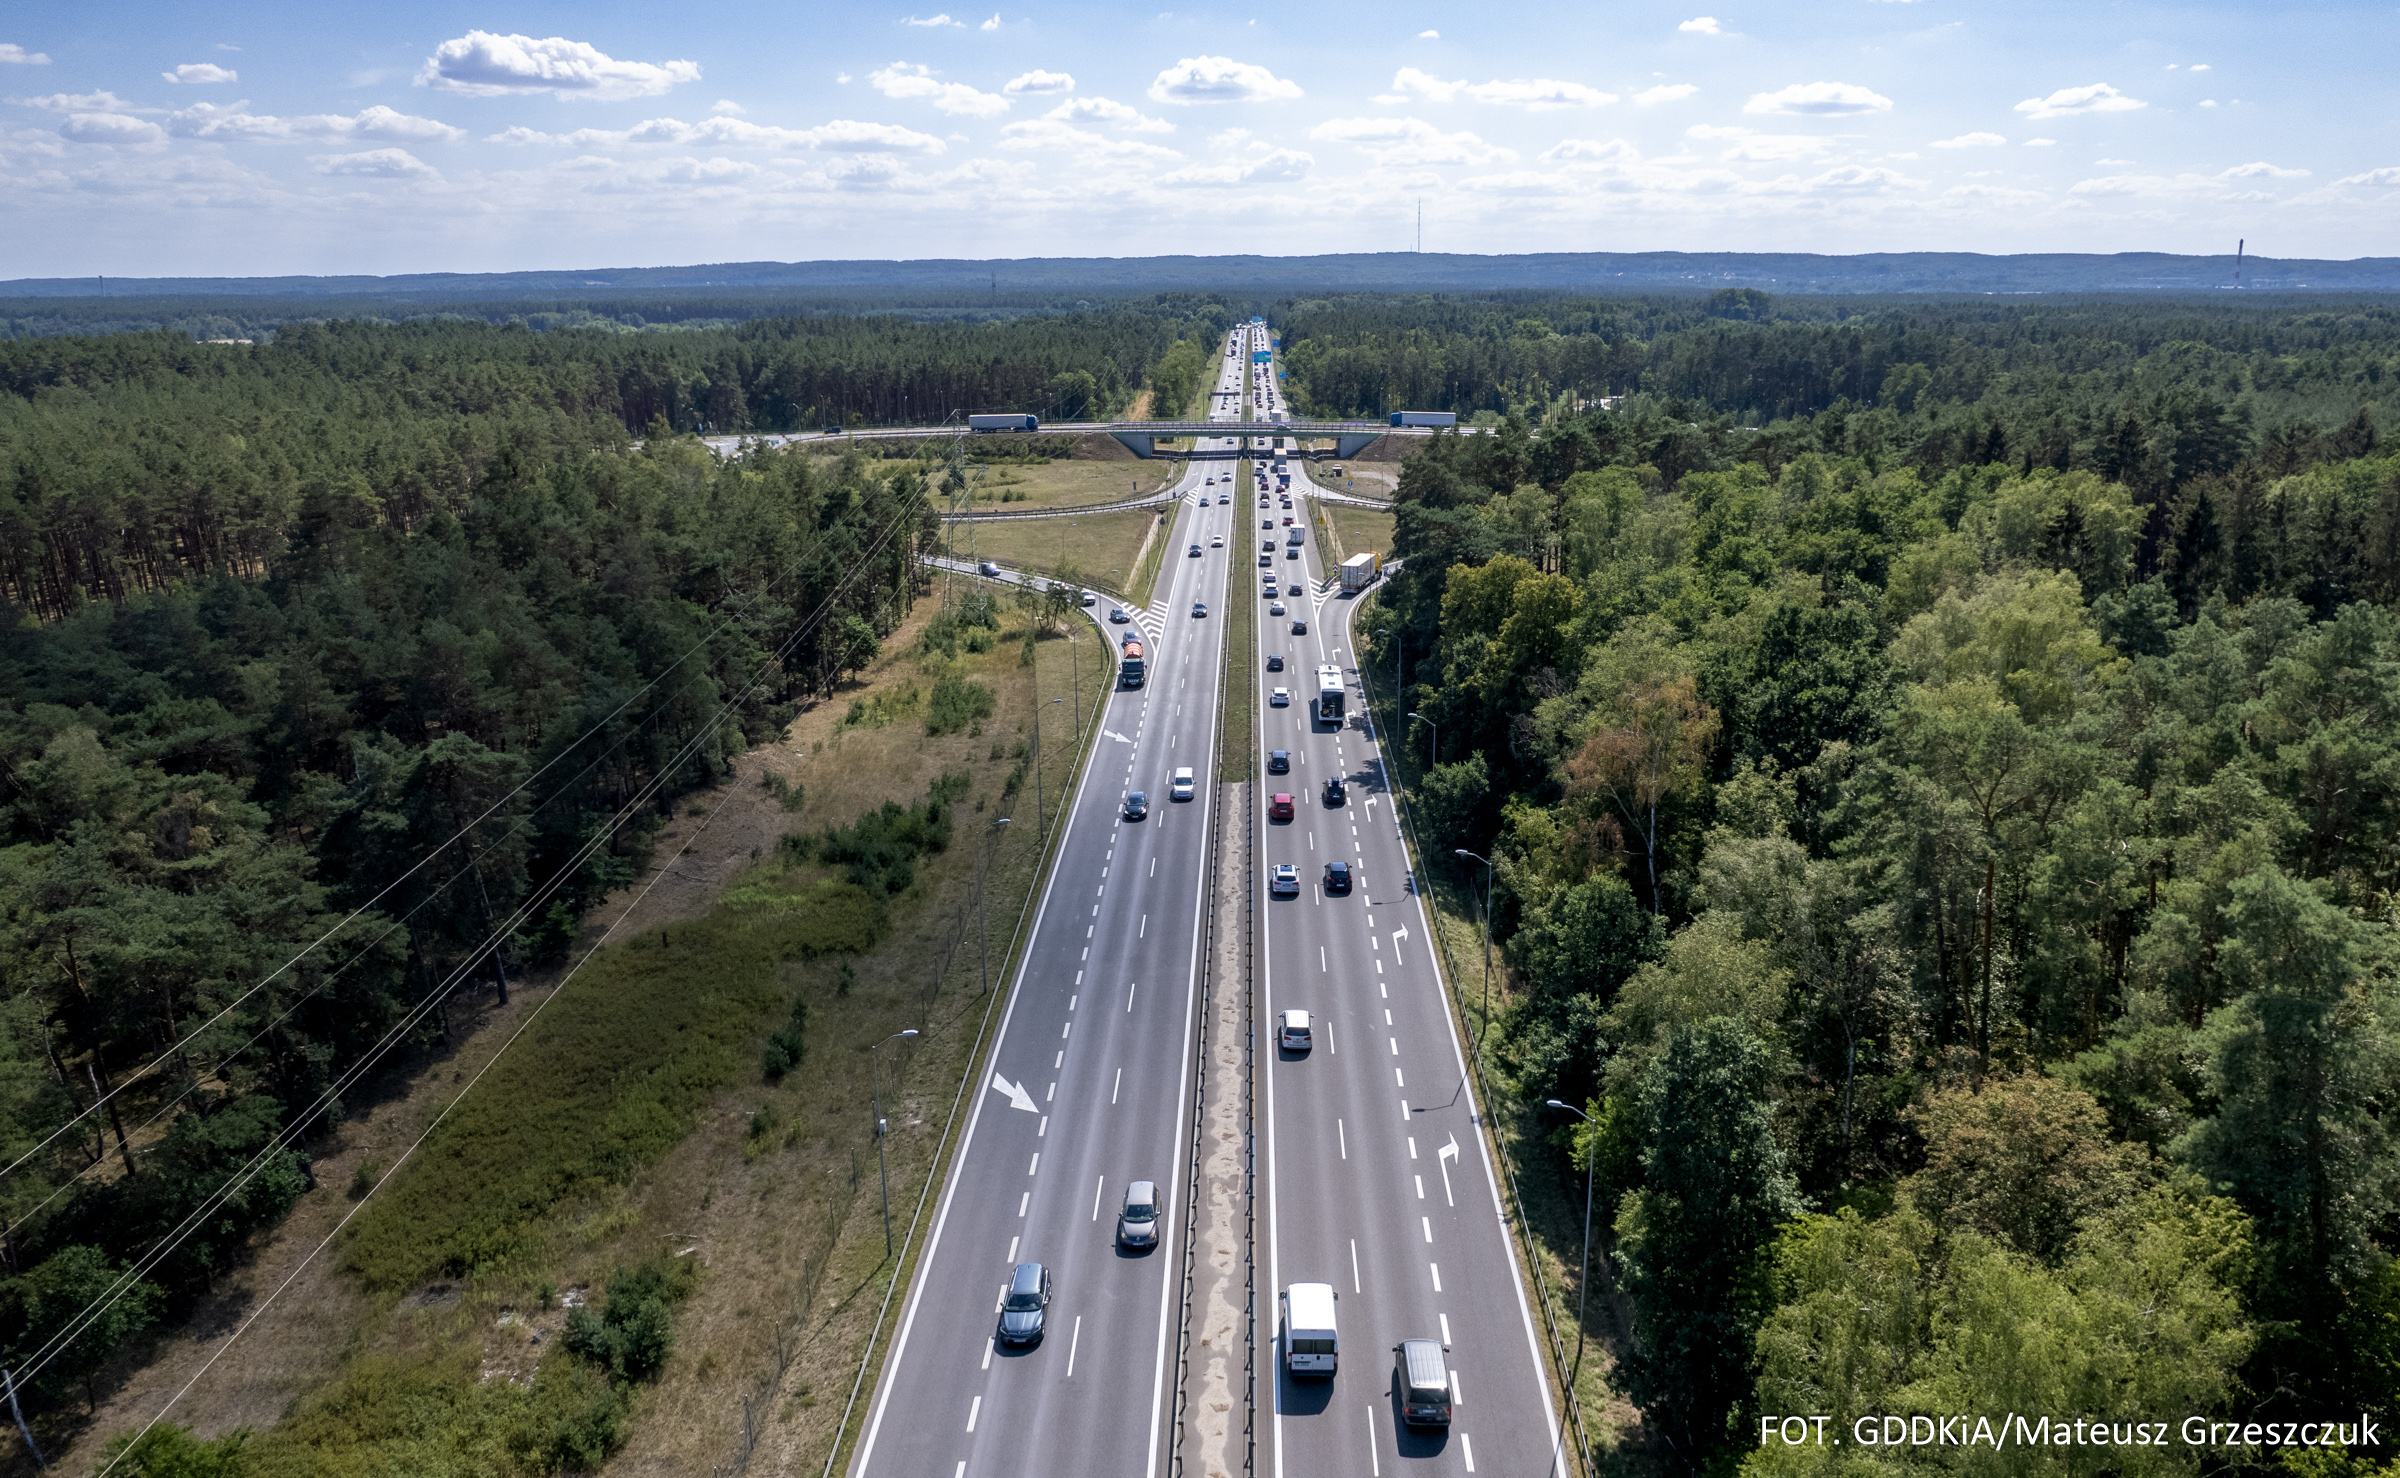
x: 1582, y: 1279
x: 1486, y: 1024
x: 983, y: 947
x: 875, y: 1069
x: 1041, y: 826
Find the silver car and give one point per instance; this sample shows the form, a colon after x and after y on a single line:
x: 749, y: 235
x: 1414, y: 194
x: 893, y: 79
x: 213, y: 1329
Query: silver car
x: 1294, y: 1034
x: 1137, y: 1223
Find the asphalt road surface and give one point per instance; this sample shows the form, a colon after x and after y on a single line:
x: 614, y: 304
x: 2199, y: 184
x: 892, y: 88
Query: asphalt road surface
x: 1087, y: 1090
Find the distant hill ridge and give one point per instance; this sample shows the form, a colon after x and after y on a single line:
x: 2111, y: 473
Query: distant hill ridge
x: 1789, y: 272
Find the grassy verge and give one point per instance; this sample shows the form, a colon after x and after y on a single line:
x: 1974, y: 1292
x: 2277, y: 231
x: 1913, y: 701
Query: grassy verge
x: 1153, y: 557
x: 1550, y: 1234
x: 1358, y: 529
x: 1068, y: 484
x: 1095, y: 549
x: 634, y: 1124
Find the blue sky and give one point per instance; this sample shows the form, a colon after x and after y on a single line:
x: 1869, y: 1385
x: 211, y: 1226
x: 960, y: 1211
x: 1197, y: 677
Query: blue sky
x: 150, y: 139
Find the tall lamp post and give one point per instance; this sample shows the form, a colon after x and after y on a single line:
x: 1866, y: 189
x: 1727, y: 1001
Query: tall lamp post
x: 1435, y: 757
x: 983, y: 950
x: 1041, y: 820
x: 1487, y: 944
x: 875, y: 1069
x: 1583, y: 1279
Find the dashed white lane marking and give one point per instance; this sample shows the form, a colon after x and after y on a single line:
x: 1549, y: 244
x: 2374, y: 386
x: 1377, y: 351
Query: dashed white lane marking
x: 974, y: 1409
x: 1437, y: 1275
x: 1037, y: 1163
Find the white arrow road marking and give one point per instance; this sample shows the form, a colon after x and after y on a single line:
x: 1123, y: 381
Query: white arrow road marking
x: 1448, y: 1153
x: 1018, y: 1098
x: 1397, y: 936
x: 1113, y: 734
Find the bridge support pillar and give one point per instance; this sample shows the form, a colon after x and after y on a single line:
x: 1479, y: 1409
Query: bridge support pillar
x: 1346, y: 447
x: 1141, y: 443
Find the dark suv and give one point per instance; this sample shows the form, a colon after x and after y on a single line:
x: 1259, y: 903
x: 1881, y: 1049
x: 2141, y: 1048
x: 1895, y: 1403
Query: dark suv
x: 1337, y: 877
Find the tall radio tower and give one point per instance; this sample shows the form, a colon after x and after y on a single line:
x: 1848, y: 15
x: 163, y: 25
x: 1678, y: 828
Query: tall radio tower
x: 2238, y: 247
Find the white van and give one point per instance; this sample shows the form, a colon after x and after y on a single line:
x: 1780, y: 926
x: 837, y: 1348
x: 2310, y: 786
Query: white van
x: 1309, y: 1345
x: 1180, y: 787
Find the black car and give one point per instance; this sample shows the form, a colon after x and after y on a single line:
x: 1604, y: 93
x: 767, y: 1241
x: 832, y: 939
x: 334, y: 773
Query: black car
x: 1335, y: 791
x: 1137, y: 805
x: 1026, y: 1304
x: 1337, y: 877
x: 1299, y: 628
x: 1275, y: 659
x: 1279, y: 761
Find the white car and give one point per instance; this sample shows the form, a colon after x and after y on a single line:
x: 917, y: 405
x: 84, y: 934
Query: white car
x: 1280, y: 698
x: 1294, y: 1034
x: 1217, y: 543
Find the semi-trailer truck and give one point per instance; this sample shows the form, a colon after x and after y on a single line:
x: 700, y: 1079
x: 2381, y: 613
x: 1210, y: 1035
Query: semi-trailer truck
x: 1129, y: 664
x: 1359, y: 570
x: 1424, y: 418
x: 1011, y: 422
x: 1329, y: 694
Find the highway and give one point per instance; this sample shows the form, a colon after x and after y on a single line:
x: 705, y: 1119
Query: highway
x: 1375, y: 1172
x: 1087, y: 1089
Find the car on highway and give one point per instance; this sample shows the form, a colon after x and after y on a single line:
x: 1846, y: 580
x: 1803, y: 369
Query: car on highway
x: 1337, y: 877
x: 1424, y: 1382
x: 1299, y: 628
x: 1179, y: 785
x: 1275, y: 659
x: 1284, y: 881
x: 1279, y: 807
x: 1292, y: 589
x: 1292, y: 553
x: 1276, y: 609
x: 1335, y: 791
x: 1137, y: 805
x: 1090, y: 599
x: 1137, y: 1223
x: 1199, y: 608
x: 1293, y: 1034
x: 1279, y: 761
x: 988, y: 568
x: 1217, y: 543
x: 1194, y: 551
x: 1280, y: 698
x: 1117, y: 614
x: 1026, y: 1305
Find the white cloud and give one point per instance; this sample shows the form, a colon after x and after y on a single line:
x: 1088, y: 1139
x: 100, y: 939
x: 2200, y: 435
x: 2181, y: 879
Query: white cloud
x: 1820, y: 100
x: 1540, y: 94
x: 1429, y: 35
x: 234, y: 122
x: 1037, y: 81
x: 2041, y: 143
x: 110, y: 128
x: 102, y: 101
x: 1219, y: 79
x: 2200, y: 67
x: 1408, y: 141
x: 1108, y: 110
x: 484, y: 64
x: 1049, y: 133
x: 1970, y: 141
x: 2067, y: 102
x: 728, y: 107
x: 1665, y: 92
x: 2386, y: 176
x: 843, y: 135
x: 932, y: 20
x: 1592, y: 151
x: 12, y: 53
x: 2261, y: 170
x: 1706, y: 25
x: 1855, y: 179
x: 200, y: 74
x: 1748, y: 146
x: 1275, y: 167
x: 2143, y: 185
x: 2208, y: 102
x: 991, y: 25
x: 381, y: 164
x: 909, y: 82
x: 2112, y: 163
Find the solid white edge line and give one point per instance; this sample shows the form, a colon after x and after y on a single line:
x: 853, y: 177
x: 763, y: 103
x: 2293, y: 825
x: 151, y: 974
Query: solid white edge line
x: 916, y: 1294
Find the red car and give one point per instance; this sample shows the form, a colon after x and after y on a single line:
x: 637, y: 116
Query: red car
x: 1280, y: 808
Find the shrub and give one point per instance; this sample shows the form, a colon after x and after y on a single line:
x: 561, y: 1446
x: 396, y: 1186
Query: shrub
x: 955, y: 704
x: 785, y: 1047
x: 633, y: 1331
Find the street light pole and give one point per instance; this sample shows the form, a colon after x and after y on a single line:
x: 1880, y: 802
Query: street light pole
x: 1435, y: 757
x: 1487, y: 946
x: 1583, y: 1279
x: 1041, y: 820
x: 983, y: 950
x: 875, y: 1070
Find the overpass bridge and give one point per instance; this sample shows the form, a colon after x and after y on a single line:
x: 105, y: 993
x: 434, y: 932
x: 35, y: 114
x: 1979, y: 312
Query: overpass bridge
x: 1139, y: 437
